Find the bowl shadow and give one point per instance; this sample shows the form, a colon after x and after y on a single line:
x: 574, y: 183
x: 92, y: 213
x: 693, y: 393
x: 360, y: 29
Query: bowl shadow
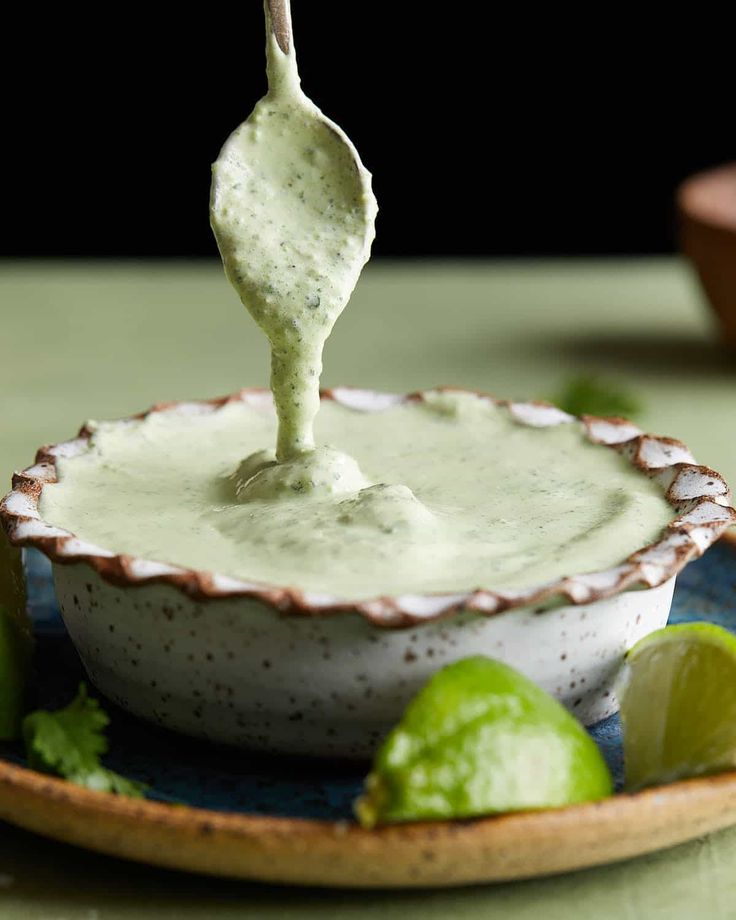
x: 656, y: 354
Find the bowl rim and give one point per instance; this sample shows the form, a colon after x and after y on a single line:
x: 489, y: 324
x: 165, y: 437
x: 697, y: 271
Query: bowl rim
x: 699, y: 496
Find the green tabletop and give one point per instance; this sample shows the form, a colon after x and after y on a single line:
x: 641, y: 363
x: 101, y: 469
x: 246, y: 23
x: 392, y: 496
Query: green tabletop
x: 99, y: 340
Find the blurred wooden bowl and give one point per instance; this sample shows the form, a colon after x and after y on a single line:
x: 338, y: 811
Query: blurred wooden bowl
x: 707, y: 208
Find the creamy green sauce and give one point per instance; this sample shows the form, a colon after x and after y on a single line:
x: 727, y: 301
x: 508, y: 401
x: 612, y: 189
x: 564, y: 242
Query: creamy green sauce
x: 442, y: 496
x: 293, y: 214
x: 461, y: 496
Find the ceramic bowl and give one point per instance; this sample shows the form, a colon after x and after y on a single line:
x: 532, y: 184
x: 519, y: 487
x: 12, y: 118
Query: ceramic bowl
x: 282, y: 670
x: 707, y: 206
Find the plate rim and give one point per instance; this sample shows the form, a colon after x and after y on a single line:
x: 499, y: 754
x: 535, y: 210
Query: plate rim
x: 342, y: 854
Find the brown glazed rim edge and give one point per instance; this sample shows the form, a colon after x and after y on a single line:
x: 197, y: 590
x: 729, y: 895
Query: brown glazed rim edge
x: 699, y: 496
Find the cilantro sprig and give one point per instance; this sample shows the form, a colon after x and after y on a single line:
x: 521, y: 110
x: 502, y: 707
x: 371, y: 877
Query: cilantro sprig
x: 69, y: 742
x: 588, y: 394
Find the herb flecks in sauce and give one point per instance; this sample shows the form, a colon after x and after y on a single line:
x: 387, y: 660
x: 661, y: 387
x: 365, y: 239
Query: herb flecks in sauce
x: 323, y: 472
x: 462, y: 497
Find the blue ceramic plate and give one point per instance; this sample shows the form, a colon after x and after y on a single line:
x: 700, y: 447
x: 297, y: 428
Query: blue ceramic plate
x: 234, y: 787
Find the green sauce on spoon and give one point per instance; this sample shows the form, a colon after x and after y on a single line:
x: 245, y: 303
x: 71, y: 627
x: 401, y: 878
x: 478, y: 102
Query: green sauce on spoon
x: 293, y: 214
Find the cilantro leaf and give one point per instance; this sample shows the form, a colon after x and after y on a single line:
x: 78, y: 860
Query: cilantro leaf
x: 68, y: 742
x: 587, y: 394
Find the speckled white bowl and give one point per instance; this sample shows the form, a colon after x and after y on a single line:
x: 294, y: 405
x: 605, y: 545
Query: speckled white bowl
x: 277, y: 669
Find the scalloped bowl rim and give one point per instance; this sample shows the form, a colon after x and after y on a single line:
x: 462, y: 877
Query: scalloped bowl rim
x: 700, y: 498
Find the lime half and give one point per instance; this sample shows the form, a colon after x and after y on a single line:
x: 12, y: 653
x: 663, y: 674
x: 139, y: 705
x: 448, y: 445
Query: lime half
x: 481, y: 738
x: 677, y: 692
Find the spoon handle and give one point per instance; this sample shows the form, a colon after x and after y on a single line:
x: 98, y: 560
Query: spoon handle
x: 280, y: 17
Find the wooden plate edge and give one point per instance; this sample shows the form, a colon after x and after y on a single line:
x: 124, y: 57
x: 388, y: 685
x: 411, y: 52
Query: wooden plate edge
x: 339, y: 854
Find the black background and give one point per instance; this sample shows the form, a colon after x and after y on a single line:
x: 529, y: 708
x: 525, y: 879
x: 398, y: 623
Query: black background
x: 534, y: 133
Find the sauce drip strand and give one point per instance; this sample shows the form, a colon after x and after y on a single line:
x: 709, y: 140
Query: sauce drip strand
x: 293, y: 214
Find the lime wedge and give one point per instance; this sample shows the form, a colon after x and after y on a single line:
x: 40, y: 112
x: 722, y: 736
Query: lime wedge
x: 677, y: 692
x: 16, y: 641
x: 481, y: 738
